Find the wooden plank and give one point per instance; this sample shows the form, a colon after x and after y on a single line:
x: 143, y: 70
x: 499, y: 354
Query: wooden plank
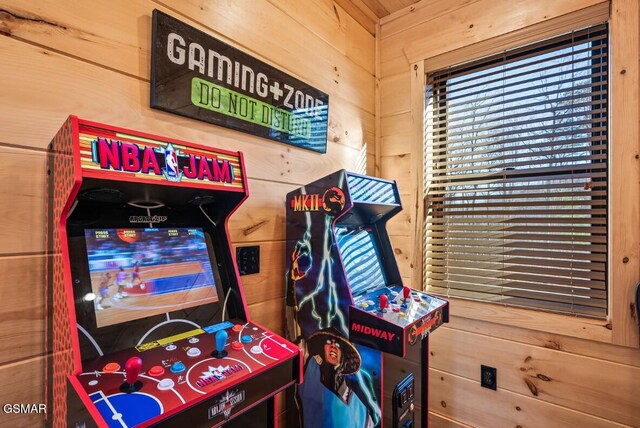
x: 401, y: 223
x: 403, y: 257
x: 588, y: 348
x: 24, y: 216
x: 363, y: 16
x: 473, y: 23
x: 437, y: 420
x: 582, y: 18
x: 416, y: 141
x: 624, y: 209
x: 22, y: 382
x: 395, y: 94
x: 580, y: 383
x: 579, y: 327
x: 72, y: 28
x: 262, y: 216
x: 418, y: 13
x: 269, y: 282
x: 269, y: 314
x: 465, y: 402
x: 22, y: 314
x: 378, y: 136
x: 398, y: 168
x: 335, y: 26
x: 130, y: 95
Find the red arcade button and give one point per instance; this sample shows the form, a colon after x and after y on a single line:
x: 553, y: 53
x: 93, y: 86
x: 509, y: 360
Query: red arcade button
x: 111, y: 367
x: 156, y: 371
x: 237, y: 328
x: 396, y: 309
x: 237, y: 346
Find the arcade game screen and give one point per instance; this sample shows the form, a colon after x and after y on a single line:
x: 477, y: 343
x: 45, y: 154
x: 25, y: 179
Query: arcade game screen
x: 136, y: 273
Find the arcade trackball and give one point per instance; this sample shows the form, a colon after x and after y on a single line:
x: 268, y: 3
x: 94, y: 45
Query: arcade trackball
x: 132, y: 370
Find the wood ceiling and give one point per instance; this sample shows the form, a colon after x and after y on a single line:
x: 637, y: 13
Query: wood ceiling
x: 369, y: 12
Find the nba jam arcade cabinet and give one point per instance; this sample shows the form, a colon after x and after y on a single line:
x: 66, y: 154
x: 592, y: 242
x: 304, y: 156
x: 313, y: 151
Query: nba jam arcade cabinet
x: 149, y: 324
x: 347, y: 304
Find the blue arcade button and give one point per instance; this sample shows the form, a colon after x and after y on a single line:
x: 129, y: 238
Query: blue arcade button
x: 246, y: 339
x: 178, y: 367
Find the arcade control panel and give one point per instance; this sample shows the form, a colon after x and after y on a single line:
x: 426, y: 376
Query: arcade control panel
x: 391, y: 317
x: 217, y: 371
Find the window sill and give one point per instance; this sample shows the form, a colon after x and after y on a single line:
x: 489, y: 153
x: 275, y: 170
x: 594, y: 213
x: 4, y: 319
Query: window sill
x: 568, y: 325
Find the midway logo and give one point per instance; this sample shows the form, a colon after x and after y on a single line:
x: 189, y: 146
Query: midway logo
x: 375, y: 332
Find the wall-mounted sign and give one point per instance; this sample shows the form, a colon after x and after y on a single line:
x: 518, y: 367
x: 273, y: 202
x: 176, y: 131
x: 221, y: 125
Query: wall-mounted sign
x: 198, y: 76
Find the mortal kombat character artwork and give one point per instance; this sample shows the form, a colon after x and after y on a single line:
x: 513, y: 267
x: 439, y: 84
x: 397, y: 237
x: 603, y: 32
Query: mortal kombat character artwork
x: 332, y: 396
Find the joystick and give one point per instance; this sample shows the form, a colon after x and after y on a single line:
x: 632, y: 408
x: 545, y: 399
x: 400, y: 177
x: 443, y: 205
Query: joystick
x: 406, y: 291
x: 132, y: 370
x: 383, y: 303
x: 221, y: 341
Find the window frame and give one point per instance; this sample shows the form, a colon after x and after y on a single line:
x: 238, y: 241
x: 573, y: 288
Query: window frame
x: 620, y: 327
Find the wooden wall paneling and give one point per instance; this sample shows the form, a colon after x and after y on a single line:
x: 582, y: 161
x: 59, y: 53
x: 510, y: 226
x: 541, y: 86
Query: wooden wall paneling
x: 22, y: 382
x: 580, y: 383
x: 400, y: 224
x: 624, y: 209
x: 403, y: 257
x: 22, y: 187
x: 551, y: 340
x: 399, y: 168
x: 378, y: 151
x: 419, y: 13
x: 292, y: 44
x: 417, y: 170
x: 437, y: 420
x: 354, y: 120
x: 21, y: 124
x: 584, y: 328
x: 22, y: 313
x: 591, y: 15
x: 331, y: 23
x: 363, y: 15
x: 481, y: 20
x: 395, y: 94
x: 262, y: 216
x: 463, y: 400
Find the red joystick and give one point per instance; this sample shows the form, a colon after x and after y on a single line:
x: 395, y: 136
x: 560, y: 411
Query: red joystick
x: 132, y: 371
x: 405, y: 292
x: 383, y: 302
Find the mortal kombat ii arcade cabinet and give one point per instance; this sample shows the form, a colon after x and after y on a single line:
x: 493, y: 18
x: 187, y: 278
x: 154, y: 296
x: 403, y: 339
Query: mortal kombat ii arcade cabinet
x: 361, y: 329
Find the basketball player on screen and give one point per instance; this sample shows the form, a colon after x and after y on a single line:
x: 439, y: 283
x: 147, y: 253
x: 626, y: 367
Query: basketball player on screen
x: 121, y: 280
x: 103, y: 290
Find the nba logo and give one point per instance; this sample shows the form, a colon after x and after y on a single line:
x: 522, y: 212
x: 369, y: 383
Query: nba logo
x: 171, y: 171
x: 171, y: 161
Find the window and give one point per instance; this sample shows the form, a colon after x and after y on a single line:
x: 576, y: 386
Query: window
x: 516, y: 177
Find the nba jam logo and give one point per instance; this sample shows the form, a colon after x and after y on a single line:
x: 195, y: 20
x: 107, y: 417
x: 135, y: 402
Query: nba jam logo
x: 226, y: 403
x: 143, y: 159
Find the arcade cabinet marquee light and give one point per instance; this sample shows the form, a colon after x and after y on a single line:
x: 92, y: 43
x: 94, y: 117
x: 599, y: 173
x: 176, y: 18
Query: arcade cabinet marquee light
x: 149, y: 323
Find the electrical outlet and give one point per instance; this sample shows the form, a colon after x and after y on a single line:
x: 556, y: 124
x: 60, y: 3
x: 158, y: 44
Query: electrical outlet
x: 248, y: 259
x: 488, y: 377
